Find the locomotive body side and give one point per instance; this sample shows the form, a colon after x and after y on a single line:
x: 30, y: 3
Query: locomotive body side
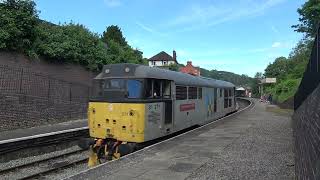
x: 134, y: 104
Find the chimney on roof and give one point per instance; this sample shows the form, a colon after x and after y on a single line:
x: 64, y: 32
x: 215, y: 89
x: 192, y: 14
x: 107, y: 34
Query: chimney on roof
x: 189, y: 63
x: 174, y: 55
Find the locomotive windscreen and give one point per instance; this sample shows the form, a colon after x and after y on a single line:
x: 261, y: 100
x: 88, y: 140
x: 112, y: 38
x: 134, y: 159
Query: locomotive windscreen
x: 107, y: 89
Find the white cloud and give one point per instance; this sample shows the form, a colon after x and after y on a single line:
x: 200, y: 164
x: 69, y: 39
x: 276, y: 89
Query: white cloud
x: 197, y: 16
x: 113, y: 3
x: 284, y: 44
x: 276, y: 45
x: 150, y: 30
x: 145, y: 27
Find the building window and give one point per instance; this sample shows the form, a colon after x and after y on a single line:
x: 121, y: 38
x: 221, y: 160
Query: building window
x: 192, y: 93
x: 181, y: 92
x: 164, y: 63
x: 153, y: 63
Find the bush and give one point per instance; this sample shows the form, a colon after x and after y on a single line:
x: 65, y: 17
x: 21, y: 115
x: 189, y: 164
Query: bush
x: 17, y: 21
x: 21, y: 30
x: 283, y: 90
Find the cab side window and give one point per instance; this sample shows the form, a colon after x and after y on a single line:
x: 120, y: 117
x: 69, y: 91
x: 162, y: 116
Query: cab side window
x: 157, y: 88
x: 166, y: 89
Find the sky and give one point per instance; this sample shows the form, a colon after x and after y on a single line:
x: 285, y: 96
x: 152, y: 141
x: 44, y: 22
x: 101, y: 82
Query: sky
x: 240, y: 36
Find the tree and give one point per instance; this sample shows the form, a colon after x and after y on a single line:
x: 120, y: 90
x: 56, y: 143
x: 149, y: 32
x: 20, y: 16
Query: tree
x: 18, y: 21
x: 309, y: 18
x: 113, y: 33
x: 258, y: 75
x: 277, y: 69
x: 173, y: 67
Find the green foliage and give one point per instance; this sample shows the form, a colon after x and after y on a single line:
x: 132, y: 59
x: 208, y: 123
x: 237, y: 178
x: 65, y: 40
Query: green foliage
x: 173, y: 67
x: 309, y: 18
x: 288, y: 71
x: 71, y: 43
x: 284, y: 89
x: 113, y: 33
x: 258, y: 75
x: 239, y: 80
x: 278, y: 68
x: 18, y: 20
x: 21, y: 30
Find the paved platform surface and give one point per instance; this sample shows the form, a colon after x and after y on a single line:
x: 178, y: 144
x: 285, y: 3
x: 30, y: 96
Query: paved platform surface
x: 255, y: 144
x: 19, y: 133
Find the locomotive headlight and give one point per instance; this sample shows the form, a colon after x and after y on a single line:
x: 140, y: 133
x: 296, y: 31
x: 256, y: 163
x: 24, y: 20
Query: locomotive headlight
x: 107, y: 71
x: 127, y: 69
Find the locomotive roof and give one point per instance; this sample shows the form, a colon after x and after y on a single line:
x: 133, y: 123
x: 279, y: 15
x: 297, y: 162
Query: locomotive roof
x: 142, y: 71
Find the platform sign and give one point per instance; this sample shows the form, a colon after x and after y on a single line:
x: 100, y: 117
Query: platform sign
x: 269, y: 80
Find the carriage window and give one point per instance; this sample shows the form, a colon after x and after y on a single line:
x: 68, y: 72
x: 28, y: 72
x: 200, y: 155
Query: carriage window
x: 226, y: 93
x: 220, y: 92
x: 192, y: 93
x: 226, y: 99
x: 215, y: 100
x: 181, y: 92
x: 230, y: 92
x: 230, y: 102
x: 200, y: 93
x: 225, y: 102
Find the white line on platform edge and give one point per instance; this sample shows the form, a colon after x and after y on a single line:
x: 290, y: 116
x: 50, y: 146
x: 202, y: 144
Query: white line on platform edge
x: 41, y: 135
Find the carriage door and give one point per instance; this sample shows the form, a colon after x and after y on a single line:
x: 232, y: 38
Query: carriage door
x: 168, y: 104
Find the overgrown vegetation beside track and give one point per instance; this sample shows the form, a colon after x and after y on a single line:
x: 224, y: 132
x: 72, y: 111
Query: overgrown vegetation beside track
x: 289, y: 70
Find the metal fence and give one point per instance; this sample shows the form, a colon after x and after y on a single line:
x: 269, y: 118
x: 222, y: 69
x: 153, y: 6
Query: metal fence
x: 311, y: 77
x: 30, y: 99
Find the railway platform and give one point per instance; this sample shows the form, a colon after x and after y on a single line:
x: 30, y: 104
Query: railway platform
x: 41, y: 130
x: 255, y: 143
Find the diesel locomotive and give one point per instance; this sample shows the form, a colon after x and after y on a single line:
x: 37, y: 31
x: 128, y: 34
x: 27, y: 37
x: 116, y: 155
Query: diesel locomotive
x: 132, y: 104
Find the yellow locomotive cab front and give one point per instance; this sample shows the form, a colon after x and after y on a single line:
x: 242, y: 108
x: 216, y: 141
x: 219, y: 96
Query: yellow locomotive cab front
x: 119, y: 121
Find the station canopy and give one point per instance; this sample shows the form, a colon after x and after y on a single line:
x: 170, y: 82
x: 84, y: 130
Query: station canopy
x: 240, y: 89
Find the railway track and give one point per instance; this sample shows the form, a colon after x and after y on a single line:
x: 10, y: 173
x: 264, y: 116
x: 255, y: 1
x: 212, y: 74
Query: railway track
x: 12, y: 145
x: 39, y: 168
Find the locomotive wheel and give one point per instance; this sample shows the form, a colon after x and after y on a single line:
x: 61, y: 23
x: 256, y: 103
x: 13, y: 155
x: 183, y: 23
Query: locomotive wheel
x: 93, y: 157
x: 103, y: 152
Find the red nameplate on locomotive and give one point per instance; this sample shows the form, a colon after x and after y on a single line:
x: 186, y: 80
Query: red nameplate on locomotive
x: 187, y: 107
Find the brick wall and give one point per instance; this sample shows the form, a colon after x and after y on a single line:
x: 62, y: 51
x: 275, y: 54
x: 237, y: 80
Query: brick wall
x: 66, y: 72
x: 307, y: 137
x: 34, y: 93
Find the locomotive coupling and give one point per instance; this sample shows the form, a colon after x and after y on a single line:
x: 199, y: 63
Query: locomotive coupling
x: 103, y: 150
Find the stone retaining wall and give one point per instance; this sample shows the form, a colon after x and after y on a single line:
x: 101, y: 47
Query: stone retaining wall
x: 307, y: 137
